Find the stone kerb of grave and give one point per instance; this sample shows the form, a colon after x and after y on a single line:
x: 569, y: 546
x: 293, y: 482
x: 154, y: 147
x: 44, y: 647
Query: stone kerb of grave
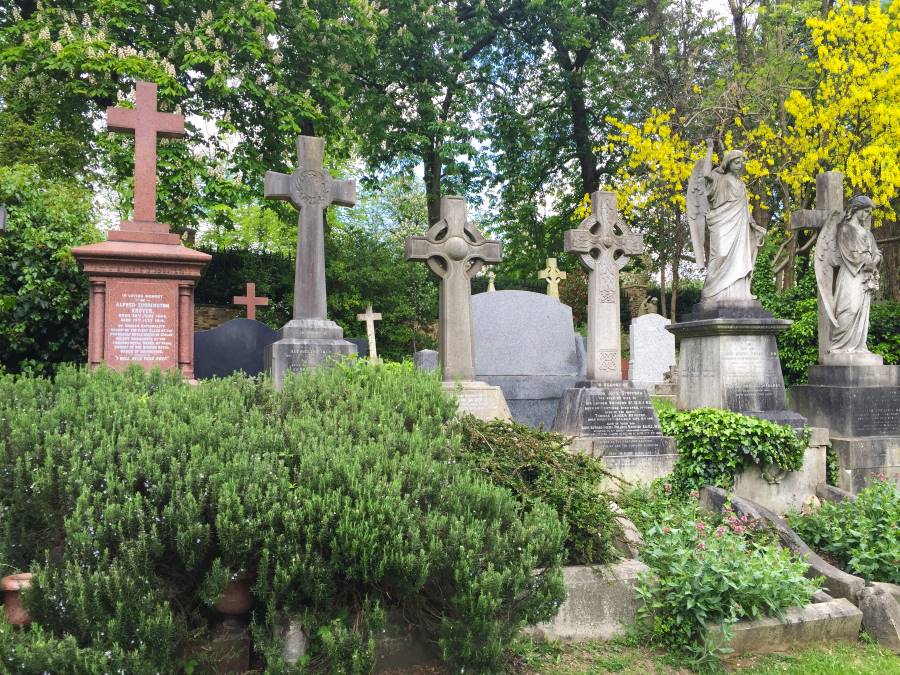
x: 610, y: 418
x: 526, y: 344
x: 310, y: 338
x: 142, y: 278
x: 849, y: 391
x: 455, y: 251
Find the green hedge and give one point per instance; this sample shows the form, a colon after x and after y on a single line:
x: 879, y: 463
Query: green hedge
x: 538, y: 468
x: 134, y: 497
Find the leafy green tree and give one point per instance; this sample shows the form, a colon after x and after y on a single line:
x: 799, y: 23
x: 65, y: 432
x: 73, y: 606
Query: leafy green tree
x: 43, y: 293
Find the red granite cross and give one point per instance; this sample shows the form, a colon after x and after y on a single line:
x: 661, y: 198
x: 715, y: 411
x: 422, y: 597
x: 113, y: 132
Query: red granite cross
x: 250, y: 300
x: 146, y: 123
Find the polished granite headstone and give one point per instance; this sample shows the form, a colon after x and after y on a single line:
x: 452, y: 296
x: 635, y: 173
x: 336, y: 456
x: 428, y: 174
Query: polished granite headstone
x: 235, y: 346
x: 728, y: 359
x: 860, y: 406
x: 526, y: 344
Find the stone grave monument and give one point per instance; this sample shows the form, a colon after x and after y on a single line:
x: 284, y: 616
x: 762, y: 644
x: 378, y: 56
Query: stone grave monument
x: 309, y: 338
x: 609, y: 417
x: 526, y: 344
x: 370, y: 318
x: 652, y: 350
x: 142, y: 278
x: 455, y: 251
x: 427, y: 359
x: 728, y: 356
x: 250, y: 300
x: 850, y: 391
x: 491, y: 277
x: 553, y: 275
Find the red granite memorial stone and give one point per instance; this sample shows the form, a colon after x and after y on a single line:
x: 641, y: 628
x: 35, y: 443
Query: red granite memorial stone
x: 142, y: 277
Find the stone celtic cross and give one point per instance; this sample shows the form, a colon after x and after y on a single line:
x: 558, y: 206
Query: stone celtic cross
x: 250, y: 300
x: 604, y: 243
x: 310, y: 189
x: 146, y: 123
x: 553, y: 275
x: 370, y: 318
x: 829, y: 200
x: 455, y: 251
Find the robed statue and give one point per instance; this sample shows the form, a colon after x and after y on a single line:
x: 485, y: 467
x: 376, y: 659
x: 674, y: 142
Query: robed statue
x: 717, y: 203
x: 846, y: 262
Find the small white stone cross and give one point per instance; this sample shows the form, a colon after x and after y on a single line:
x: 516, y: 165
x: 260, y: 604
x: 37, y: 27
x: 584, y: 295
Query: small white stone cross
x: 605, y: 242
x: 370, y: 318
x: 553, y: 275
x: 490, y: 277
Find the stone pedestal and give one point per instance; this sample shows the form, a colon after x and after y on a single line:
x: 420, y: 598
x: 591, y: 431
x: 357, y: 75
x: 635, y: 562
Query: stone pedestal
x: 860, y: 405
x: 616, y: 421
x: 479, y: 399
x: 728, y: 359
x: 303, y: 344
x: 142, y: 300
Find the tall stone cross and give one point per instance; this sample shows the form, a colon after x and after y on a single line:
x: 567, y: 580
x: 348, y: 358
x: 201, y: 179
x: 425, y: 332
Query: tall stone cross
x: 455, y: 251
x: 829, y: 199
x: 553, y: 275
x: 146, y: 123
x: 310, y: 189
x: 370, y: 318
x: 605, y: 243
x: 250, y: 300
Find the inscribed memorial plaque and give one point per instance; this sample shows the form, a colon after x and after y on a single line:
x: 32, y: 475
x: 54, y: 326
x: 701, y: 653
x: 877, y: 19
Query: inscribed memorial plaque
x: 141, y: 321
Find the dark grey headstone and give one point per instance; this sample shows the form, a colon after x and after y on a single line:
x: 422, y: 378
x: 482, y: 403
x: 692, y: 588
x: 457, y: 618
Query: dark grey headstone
x: 362, y: 346
x: 3, y: 216
x: 525, y: 343
x: 233, y: 347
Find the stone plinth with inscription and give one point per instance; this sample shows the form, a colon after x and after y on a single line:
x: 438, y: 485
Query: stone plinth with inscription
x: 860, y: 406
x: 610, y: 418
x: 142, y: 278
x: 728, y: 359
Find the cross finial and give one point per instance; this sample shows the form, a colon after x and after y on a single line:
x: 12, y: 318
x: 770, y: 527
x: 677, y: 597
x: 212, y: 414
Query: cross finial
x: 490, y: 277
x: 145, y: 122
x: 370, y: 318
x: 250, y: 300
x: 553, y: 275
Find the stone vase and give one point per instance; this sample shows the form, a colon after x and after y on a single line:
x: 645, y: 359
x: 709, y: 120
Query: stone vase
x: 236, y: 599
x: 13, y: 609
x: 231, y: 638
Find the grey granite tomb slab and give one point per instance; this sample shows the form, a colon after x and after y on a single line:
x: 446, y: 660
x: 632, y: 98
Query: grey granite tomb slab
x: 526, y: 344
x: 427, y: 359
x: 235, y: 346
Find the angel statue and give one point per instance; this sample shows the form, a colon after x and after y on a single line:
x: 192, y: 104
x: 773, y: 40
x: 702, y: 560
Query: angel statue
x: 717, y: 201
x: 846, y: 244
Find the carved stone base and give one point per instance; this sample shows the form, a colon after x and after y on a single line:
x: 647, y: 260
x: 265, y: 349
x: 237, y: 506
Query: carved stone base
x: 729, y: 359
x: 616, y: 421
x: 479, y: 399
x: 305, y: 344
x: 860, y: 405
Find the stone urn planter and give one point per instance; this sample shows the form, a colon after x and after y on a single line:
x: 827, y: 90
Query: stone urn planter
x: 13, y: 609
x: 236, y: 598
x: 231, y: 638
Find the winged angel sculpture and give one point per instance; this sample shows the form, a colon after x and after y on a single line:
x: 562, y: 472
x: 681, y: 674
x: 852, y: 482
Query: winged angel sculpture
x: 717, y: 203
x: 846, y: 244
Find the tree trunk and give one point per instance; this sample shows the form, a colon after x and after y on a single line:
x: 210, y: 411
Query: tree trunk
x: 662, y: 287
x: 676, y: 264
x: 584, y: 149
x: 432, y: 180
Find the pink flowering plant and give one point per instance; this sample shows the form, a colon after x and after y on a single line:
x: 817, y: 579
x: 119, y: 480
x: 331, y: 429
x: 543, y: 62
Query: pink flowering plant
x: 706, y: 573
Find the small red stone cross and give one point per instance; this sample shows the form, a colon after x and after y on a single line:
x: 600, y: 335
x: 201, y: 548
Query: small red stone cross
x: 146, y: 123
x: 250, y: 300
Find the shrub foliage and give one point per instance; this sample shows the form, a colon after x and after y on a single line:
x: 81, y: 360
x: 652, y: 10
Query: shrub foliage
x: 537, y: 468
x: 715, y: 445
x: 135, y: 498
x: 862, y: 536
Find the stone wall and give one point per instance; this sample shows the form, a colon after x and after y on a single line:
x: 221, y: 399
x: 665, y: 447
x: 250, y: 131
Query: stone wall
x: 210, y: 316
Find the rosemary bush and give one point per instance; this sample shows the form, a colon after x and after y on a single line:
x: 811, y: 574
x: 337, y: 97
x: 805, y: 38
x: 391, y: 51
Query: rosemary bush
x: 135, y: 498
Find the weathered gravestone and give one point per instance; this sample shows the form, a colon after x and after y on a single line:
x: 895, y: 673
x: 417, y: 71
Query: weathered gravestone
x: 850, y: 391
x: 142, y: 278
x: 552, y: 275
x: 525, y: 343
x: 455, y: 251
x: 310, y: 338
x: 610, y: 418
x: 652, y: 350
x: 370, y: 318
x: 427, y: 359
x: 250, y: 300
